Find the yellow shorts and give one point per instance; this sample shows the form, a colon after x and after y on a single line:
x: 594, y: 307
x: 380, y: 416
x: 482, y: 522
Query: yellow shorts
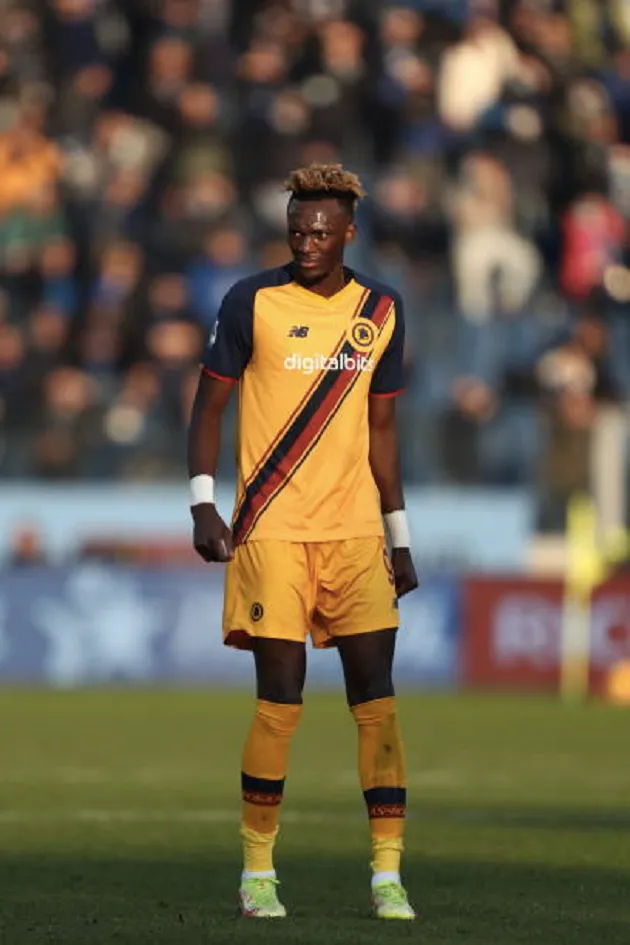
x: 288, y: 590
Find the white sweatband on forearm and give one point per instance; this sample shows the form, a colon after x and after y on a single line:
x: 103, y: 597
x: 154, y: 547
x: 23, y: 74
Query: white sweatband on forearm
x: 201, y: 490
x: 398, y: 528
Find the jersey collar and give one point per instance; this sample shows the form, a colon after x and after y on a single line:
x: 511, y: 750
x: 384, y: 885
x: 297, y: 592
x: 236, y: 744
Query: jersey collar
x: 322, y: 299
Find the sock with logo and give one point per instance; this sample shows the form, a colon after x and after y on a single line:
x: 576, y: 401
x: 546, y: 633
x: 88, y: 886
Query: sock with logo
x: 383, y: 777
x: 263, y: 772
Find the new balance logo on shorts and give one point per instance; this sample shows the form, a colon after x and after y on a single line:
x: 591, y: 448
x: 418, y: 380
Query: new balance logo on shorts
x: 298, y: 331
x: 320, y: 362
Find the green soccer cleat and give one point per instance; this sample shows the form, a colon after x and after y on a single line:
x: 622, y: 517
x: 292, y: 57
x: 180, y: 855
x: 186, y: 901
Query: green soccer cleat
x: 389, y: 901
x: 259, y: 899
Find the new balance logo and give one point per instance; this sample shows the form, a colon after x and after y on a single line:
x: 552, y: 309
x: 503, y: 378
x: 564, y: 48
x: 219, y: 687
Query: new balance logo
x: 298, y: 331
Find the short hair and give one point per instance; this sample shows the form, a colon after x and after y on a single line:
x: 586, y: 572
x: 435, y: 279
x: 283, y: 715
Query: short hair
x: 321, y: 181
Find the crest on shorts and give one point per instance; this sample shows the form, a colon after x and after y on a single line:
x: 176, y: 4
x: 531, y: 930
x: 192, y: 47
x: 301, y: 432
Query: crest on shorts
x: 256, y: 611
x: 388, y: 567
x: 362, y: 334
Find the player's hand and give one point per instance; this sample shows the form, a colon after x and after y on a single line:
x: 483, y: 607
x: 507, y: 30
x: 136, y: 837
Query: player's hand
x: 405, y: 578
x: 211, y: 536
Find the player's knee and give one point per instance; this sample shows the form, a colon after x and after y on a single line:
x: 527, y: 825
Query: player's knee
x: 281, y: 693
x: 370, y: 689
x: 280, y: 684
x: 367, y: 665
x: 280, y: 671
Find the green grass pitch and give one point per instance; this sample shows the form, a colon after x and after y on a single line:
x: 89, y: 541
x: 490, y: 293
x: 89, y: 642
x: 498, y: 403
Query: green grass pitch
x: 119, y: 822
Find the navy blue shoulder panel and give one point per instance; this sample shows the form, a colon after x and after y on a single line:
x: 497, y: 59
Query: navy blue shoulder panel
x: 381, y: 287
x: 231, y: 342
x: 267, y: 279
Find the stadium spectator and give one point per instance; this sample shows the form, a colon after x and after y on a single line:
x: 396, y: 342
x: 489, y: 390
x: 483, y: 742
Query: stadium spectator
x: 573, y: 377
x: 26, y: 548
x: 142, y: 153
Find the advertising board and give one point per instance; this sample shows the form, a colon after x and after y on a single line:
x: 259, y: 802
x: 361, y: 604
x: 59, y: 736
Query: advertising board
x: 96, y: 624
x: 512, y: 632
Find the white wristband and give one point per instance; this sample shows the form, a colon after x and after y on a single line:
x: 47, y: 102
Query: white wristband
x: 398, y: 528
x: 201, y: 490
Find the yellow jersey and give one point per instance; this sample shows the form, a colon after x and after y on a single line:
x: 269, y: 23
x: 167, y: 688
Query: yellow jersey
x: 306, y: 366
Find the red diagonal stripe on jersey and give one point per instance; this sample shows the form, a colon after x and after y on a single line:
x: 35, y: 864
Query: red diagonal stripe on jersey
x: 307, y: 396
x: 310, y: 435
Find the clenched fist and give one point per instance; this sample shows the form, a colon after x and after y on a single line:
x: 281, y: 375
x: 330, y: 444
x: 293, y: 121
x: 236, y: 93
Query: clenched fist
x: 405, y: 577
x: 211, y: 536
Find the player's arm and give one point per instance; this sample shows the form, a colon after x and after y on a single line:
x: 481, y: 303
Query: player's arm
x: 384, y: 454
x: 212, y: 538
x: 226, y: 357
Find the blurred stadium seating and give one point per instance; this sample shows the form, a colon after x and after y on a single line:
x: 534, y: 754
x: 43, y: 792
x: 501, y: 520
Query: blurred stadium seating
x: 143, y: 148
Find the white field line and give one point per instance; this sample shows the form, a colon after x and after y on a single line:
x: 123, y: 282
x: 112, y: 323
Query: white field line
x: 442, y: 779
x: 193, y: 817
x: 196, y: 818
x: 174, y: 775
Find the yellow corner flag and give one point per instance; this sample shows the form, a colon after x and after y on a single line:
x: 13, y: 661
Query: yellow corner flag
x: 588, y: 565
x: 585, y: 570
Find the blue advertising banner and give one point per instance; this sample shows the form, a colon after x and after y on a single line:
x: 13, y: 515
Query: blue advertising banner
x: 97, y: 624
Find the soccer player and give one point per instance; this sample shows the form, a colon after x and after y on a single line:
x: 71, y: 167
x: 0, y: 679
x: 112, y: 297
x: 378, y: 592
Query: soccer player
x: 316, y: 351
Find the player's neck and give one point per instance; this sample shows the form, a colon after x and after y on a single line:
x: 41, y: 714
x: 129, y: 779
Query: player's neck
x: 330, y: 285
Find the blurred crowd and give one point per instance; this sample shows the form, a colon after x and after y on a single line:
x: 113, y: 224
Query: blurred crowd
x: 143, y: 147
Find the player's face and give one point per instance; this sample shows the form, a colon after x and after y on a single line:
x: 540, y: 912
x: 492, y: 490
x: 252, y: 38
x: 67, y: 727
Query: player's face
x: 318, y: 234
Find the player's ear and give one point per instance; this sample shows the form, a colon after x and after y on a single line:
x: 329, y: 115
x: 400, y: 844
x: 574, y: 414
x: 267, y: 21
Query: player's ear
x: 351, y: 232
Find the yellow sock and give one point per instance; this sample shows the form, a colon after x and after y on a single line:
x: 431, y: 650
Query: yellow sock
x: 383, y: 776
x: 386, y: 854
x: 263, y: 771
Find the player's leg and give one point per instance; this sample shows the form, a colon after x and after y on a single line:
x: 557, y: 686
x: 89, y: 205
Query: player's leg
x: 367, y: 661
x: 357, y: 609
x: 266, y: 608
x: 280, y: 674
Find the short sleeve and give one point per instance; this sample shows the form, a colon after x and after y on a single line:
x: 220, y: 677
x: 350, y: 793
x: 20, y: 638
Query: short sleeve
x: 388, y: 378
x: 230, y: 345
